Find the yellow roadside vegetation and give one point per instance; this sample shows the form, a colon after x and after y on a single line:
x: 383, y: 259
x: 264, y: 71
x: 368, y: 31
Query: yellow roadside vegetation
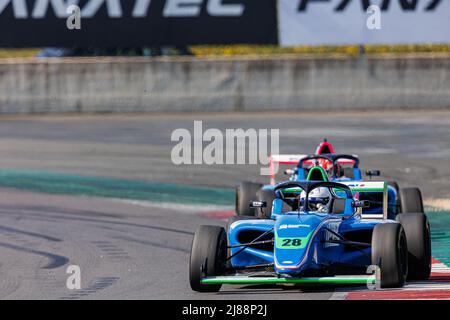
x: 232, y: 50
x: 322, y: 50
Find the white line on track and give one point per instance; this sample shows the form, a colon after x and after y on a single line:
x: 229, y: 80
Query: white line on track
x: 188, y: 208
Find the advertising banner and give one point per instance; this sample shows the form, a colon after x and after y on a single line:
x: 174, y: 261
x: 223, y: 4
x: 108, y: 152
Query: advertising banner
x: 340, y: 22
x: 136, y: 23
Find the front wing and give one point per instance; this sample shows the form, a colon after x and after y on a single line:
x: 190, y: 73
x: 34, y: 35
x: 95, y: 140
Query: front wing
x: 243, y: 280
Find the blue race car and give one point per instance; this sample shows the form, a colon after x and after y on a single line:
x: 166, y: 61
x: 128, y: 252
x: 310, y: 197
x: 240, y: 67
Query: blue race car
x: 315, y: 234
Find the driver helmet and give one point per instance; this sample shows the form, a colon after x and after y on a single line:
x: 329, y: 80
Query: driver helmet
x: 319, y: 199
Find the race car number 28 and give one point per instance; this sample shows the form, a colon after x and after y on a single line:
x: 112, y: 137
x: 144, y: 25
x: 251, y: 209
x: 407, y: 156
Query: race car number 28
x: 289, y: 243
x: 292, y: 242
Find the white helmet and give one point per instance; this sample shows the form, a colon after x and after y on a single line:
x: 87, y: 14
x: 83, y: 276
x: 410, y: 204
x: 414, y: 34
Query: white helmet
x: 319, y: 199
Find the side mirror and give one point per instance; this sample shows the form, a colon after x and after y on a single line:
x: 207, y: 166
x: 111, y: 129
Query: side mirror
x: 258, y: 204
x: 373, y: 173
x: 361, y: 204
x: 289, y: 172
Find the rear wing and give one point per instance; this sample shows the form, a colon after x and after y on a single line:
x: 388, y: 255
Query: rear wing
x: 372, y: 187
x: 276, y: 159
x: 293, y: 159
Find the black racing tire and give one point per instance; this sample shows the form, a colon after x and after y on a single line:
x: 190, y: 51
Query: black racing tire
x: 268, y: 196
x: 411, y: 200
x: 208, y: 257
x: 245, y: 193
x: 390, y: 254
x: 418, y: 236
x: 238, y: 218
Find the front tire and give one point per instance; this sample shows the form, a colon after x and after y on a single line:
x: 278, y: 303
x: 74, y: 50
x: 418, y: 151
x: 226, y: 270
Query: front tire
x: 418, y: 236
x: 390, y: 254
x: 208, y: 257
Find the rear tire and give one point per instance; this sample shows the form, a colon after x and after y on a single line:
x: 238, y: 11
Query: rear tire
x: 411, y: 200
x: 208, y: 257
x: 390, y: 253
x: 418, y: 236
x: 268, y: 196
x: 245, y: 193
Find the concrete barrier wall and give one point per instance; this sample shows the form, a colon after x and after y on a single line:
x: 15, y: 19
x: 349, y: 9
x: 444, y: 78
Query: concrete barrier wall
x: 235, y: 84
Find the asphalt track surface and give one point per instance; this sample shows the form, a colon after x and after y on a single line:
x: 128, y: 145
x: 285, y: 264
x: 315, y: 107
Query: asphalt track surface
x: 135, y: 251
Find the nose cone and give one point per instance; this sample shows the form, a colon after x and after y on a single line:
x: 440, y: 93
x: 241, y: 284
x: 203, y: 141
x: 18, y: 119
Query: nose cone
x: 293, y: 235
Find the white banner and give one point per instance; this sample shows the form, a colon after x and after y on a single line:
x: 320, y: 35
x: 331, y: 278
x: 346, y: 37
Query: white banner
x: 337, y: 22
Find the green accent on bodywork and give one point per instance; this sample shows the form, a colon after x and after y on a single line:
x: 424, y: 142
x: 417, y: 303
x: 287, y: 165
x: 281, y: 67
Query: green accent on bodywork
x: 70, y: 184
x: 367, y: 189
x: 291, y: 190
x: 256, y: 280
x: 279, y: 241
x: 322, y: 172
x: 297, y: 189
